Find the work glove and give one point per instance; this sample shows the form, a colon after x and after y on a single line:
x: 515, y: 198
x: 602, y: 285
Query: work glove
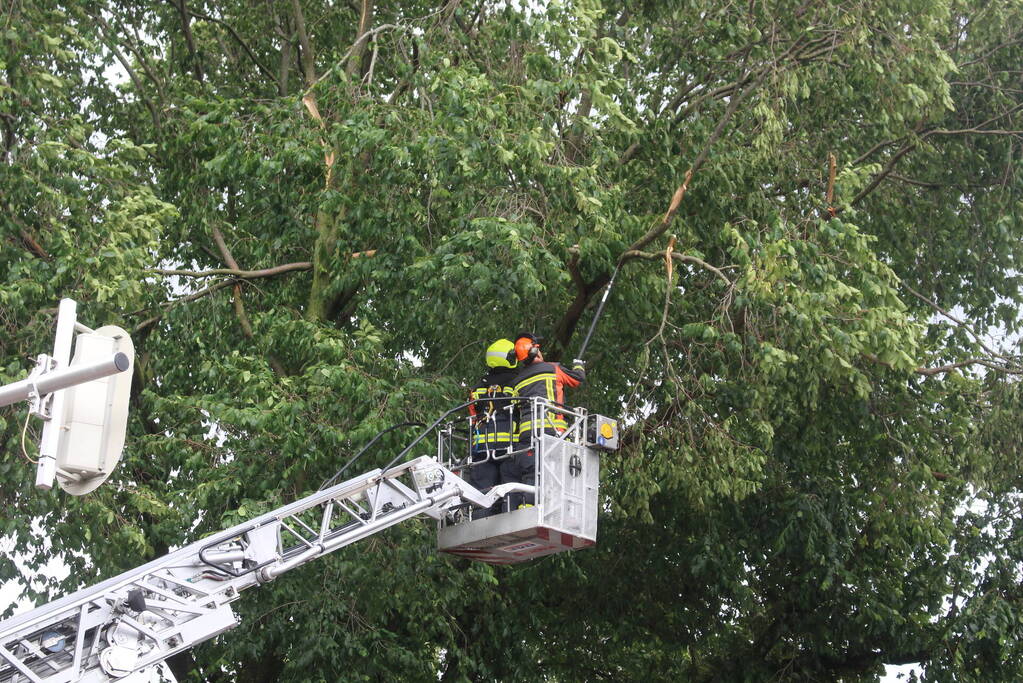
x: 578, y: 364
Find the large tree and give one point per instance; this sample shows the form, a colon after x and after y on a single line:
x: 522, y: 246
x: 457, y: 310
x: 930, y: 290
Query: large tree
x: 314, y: 216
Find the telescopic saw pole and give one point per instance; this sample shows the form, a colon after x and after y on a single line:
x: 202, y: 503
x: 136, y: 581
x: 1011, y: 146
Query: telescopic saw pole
x: 600, y: 311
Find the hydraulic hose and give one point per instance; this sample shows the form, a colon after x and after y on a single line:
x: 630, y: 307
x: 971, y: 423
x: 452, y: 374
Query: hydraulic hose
x: 372, y: 441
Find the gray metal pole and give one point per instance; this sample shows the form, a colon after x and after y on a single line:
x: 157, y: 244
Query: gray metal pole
x: 62, y: 379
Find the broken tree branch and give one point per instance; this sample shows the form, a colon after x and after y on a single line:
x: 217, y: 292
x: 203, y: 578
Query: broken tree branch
x: 829, y: 196
x: 665, y: 221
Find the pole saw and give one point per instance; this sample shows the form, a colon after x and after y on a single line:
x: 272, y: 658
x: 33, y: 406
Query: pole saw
x: 596, y: 317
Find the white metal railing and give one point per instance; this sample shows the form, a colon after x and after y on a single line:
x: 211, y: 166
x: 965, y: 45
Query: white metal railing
x: 455, y: 439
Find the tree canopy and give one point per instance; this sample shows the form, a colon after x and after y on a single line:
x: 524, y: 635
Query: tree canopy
x: 314, y: 216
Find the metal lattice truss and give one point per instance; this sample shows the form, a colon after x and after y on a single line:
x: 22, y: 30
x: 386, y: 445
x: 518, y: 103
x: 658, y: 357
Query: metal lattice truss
x: 145, y: 615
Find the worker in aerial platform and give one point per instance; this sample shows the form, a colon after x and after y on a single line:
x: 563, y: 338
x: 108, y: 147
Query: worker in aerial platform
x: 493, y: 424
x: 536, y: 377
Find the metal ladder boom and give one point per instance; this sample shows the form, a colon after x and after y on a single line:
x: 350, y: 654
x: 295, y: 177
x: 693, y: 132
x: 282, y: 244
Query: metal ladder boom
x: 145, y: 615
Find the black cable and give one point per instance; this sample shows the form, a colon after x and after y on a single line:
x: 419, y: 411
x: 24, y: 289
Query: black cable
x: 441, y: 419
x: 419, y: 438
x: 330, y: 482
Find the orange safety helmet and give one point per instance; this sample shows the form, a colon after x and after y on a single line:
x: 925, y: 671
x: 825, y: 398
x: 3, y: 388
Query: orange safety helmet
x: 526, y: 347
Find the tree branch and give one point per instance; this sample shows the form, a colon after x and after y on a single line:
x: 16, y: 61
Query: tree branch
x: 917, y: 183
x: 701, y: 157
x: 308, y: 58
x: 344, y: 58
x: 359, y: 46
x: 109, y: 41
x: 286, y: 48
x: 584, y: 292
x: 977, y: 130
x: 253, y: 274
x: 239, y: 305
x: 139, y: 56
x: 944, y: 369
x: 829, y: 195
x: 8, y: 120
x: 189, y: 40
x: 870, y: 152
x: 26, y: 236
x: 976, y: 337
x: 191, y: 297
x: 882, y: 174
x: 1014, y: 40
x: 665, y: 221
x: 234, y: 34
x: 237, y: 273
x: 681, y: 258
x: 33, y: 245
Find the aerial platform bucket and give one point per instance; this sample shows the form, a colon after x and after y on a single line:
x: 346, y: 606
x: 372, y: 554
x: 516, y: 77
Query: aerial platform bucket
x: 564, y: 516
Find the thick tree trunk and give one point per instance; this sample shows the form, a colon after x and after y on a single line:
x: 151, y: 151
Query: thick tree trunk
x: 323, y: 251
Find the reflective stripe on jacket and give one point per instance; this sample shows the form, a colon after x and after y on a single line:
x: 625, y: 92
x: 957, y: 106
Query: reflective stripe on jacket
x: 545, y: 380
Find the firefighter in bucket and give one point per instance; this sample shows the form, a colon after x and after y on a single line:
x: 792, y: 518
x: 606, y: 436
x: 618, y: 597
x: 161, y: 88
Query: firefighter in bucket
x: 493, y: 423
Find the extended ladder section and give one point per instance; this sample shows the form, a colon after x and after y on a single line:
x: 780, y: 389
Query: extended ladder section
x: 145, y: 615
